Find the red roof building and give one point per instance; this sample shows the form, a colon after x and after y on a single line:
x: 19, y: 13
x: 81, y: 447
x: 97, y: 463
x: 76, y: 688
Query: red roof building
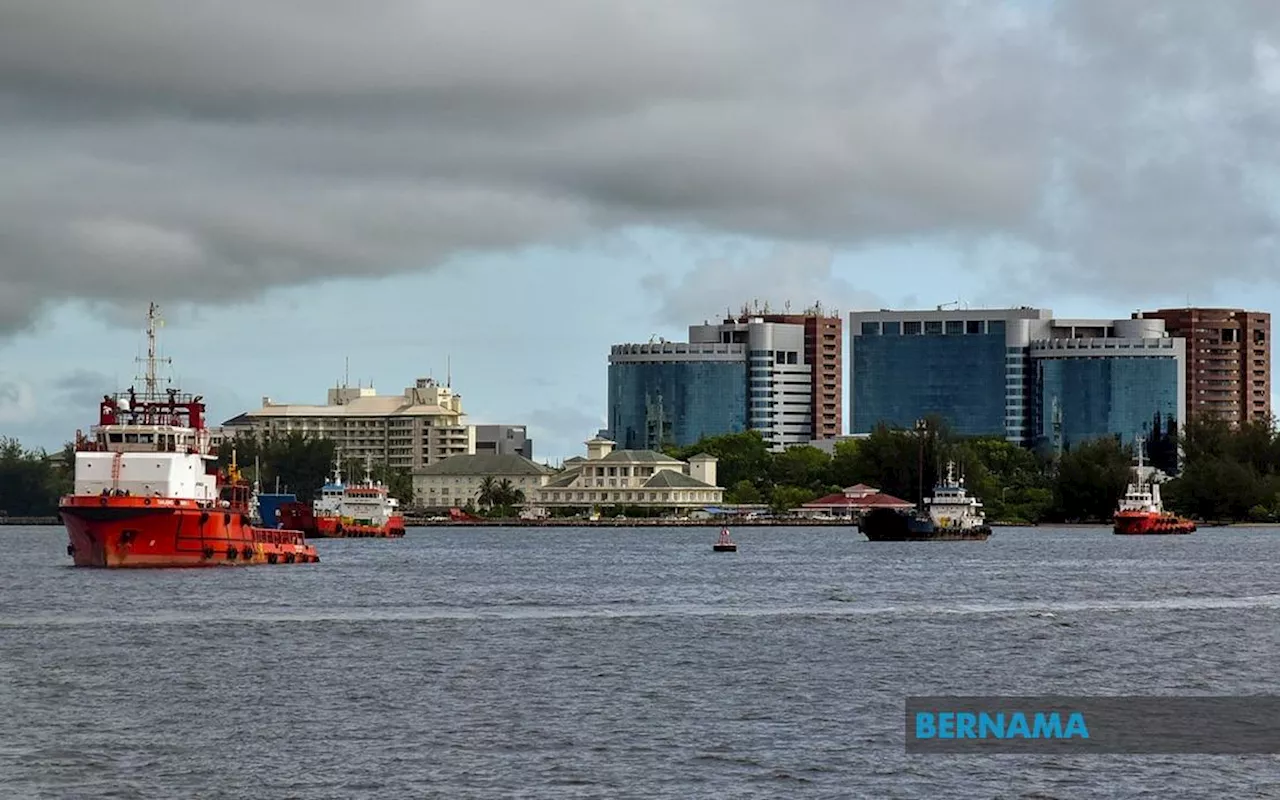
x: 854, y: 500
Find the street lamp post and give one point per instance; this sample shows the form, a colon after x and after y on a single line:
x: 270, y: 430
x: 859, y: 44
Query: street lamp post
x: 922, y: 428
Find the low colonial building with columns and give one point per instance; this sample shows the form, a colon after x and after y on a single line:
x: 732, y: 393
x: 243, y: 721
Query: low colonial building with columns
x: 632, y: 478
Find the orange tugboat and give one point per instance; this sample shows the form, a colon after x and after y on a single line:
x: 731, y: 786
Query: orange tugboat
x: 148, y: 494
x: 1141, y: 512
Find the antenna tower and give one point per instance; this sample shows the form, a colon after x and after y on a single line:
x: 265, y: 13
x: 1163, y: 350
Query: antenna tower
x: 152, y: 361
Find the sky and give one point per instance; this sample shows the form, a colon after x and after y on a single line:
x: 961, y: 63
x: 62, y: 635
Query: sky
x: 499, y: 191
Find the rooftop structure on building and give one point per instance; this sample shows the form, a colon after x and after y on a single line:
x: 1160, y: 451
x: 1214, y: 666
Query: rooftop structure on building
x: 1016, y: 372
x: 411, y: 430
x: 504, y: 440
x: 1228, y: 360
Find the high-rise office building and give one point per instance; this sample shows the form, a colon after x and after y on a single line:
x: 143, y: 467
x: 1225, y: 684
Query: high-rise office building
x: 729, y: 377
x: 1014, y: 372
x: 780, y: 378
x: 1095, y: 378
x: 1228, y: 360
x: 675, y: 393
x: 824, y: 351
x: 969, y: 366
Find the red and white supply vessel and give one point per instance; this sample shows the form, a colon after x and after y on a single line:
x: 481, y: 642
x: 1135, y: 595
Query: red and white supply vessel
x: 1141, y: 511
x: 363, y: 509
x: 148, y: 492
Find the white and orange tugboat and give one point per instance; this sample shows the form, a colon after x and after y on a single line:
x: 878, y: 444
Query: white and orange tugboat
x: 1141, y: 512
x: 148, y: 493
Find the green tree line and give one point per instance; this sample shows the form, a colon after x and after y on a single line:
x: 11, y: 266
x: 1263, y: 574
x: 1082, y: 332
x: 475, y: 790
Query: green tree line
x: 31, y: 481
x: 1226, y: 473
x: 303, y: 464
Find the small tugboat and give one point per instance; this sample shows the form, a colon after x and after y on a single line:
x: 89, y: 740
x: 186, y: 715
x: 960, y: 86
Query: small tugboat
x: 1141, y: 512
x: 147, y: 492
x: 950, y: 514
x: 724, y: 544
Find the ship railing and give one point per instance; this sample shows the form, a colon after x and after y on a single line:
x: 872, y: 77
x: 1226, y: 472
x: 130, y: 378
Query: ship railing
x: 274, y: 536
x: 156, y: 398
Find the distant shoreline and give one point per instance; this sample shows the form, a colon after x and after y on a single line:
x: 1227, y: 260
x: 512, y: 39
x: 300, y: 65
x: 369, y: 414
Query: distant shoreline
x: 639, y: 522
x: 1201, y: 524
x: 614, y: 522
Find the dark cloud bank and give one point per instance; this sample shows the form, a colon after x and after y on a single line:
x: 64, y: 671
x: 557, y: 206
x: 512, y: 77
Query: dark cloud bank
x: 210, y: 149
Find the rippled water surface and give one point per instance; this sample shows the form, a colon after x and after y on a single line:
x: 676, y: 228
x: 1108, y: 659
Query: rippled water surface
x: 617, y: 663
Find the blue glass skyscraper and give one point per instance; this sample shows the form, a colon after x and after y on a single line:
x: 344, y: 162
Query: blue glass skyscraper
x: 1014, y: 372
x: 676, y: 400
x: 1091, y: 388
x: 731, y: 376
x: 970, y: 367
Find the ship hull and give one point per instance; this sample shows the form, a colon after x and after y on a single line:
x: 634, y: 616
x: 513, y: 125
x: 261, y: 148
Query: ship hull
x: 297, y: 516
x: 1151, y: 524
x: 337, y: 528
x: 136, y: 532
x: 883, y: 525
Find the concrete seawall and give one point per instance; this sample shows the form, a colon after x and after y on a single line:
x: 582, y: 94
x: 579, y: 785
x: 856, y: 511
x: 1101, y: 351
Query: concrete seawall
x: 624, y: 523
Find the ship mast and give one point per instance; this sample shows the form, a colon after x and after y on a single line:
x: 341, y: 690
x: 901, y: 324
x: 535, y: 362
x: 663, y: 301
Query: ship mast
x: 152, y: 361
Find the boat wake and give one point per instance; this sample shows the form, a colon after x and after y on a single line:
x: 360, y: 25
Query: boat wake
x: 836, y: 608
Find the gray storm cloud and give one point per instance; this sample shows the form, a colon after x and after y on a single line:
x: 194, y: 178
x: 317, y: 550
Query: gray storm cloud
x: 210, y: 150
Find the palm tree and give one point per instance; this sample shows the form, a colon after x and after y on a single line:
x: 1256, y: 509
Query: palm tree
x: 505, y: 493
x: 504, y: 496
x: 488, y: 494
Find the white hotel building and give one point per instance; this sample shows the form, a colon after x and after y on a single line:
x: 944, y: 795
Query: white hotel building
x: 408, y: 431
